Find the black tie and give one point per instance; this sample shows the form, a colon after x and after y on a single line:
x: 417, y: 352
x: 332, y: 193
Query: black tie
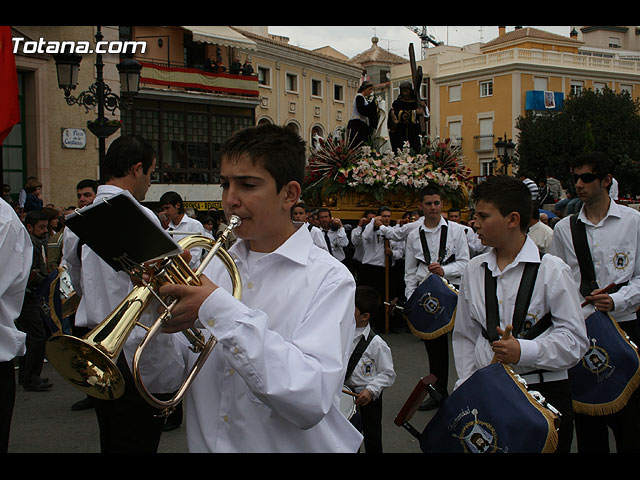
x: 326, y: 238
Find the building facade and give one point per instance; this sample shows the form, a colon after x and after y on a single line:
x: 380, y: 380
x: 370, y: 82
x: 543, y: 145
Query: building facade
x: 476, y: 93
x: 197, y: 86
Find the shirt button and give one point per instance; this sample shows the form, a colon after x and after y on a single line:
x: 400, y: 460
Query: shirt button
x: 236, y: 350
x: 250, y: 285
x: 225, y: 418
x: 211, y: 322
x: 231, y: 371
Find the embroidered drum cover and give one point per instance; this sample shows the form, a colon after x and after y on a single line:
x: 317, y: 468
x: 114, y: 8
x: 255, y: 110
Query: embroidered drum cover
x: 430, y: 311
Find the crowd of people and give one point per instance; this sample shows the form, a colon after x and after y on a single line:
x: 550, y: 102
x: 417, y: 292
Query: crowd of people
x: 287, y: 354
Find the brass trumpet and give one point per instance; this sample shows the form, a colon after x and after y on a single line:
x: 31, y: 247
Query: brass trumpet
x: 89, y: 363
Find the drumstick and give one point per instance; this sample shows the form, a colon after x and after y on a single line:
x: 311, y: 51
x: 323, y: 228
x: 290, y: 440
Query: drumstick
x: 507, y: 334
x: 598, y: 292
x: 353, y: 394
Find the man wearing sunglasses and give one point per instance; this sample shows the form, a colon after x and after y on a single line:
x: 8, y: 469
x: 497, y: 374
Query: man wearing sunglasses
x: 613, y: 239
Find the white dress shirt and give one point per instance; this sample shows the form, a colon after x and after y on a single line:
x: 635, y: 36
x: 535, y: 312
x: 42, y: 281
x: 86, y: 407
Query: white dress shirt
x: 557, y: 349
x: 614, y: 244
x: 273, y: 383
x: 415, y: 265
x: 338, y: 240
x: 374, y: 371
x: 16, y: 256
x: 373, y: 246
x: 188, y: 224
x: 316, y: 235
x: 542, y: 236
x: 399, y: 232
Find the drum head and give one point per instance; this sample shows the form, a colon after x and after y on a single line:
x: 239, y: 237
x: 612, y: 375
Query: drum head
x: 347, y: 402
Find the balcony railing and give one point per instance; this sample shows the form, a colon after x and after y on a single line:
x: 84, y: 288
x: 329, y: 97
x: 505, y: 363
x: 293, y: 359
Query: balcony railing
x: 539, y: 57
x: 483, y: 143
x: 159, y: 75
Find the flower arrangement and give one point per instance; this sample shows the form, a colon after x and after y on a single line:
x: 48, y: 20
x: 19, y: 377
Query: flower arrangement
x: 336, y: 166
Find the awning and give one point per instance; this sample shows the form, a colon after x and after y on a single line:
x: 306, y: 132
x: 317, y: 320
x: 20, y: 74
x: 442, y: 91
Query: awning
x: 221, y: 35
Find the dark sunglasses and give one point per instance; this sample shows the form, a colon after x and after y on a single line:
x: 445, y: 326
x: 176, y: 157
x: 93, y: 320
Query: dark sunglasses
x: 585, y: 177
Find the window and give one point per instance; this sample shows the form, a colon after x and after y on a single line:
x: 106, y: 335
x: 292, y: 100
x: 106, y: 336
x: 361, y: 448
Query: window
x: 316, y: 88
x: 264, y: 76
x: 614, y: 42
x: 186, y: 137
x: 486, y: 167
x: 576, y: 87
x: 540, y: 83
x: 338, y: 93
x: 599, y: 86
x: 455, y: 132
x: 455, y: 93
x: 486, y: 88
x: 291, y: 82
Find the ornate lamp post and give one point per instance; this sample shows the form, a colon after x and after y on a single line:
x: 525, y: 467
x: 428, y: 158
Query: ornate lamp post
x: 99, y: 93
x: 505, y: 150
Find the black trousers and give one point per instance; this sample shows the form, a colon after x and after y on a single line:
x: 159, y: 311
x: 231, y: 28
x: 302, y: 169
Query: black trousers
x: 7, y: 401
x: 592, y: 432
x: 31, y: 322
x: 558, y: 394
x: 438, y: 356
x: 128, y: 424
x: 368, y: 420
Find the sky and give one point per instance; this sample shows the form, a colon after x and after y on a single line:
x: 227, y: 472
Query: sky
x: 352, y: 40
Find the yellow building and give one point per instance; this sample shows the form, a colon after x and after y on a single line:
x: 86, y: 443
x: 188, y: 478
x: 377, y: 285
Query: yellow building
x: 476, y: 93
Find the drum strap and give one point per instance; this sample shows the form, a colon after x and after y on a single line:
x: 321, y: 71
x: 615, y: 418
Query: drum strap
x: 523, y: 298
x: 442, y: 250
x: 357, y: 353
x: 583, y: 254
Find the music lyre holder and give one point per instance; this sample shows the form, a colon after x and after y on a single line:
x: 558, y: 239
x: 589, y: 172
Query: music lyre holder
x: 100, y: 226
x: 424, y: 386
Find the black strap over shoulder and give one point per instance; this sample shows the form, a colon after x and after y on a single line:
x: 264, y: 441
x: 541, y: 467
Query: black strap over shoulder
x: 442, y: 249
x: 357, y: 353
x: 523, y: 298
x: 581, y: 246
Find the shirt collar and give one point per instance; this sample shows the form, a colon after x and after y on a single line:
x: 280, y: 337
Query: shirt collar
x: 614, y: 211
x: 440, y: 223
x: 529, y: 253
x: 296, y: 248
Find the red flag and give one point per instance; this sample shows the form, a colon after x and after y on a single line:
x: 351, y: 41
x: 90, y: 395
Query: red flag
x: 9, y: 103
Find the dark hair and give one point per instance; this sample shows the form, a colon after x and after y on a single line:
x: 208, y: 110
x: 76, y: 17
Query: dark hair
x: 367, y: 300
x: 34, y: 216
x: 125, y: 152
x: 172, y: 198
x: 598, y: 161
x: 454, y: 209
x: 323, y: 210
x: 383, y: 208
x: 88, y: 183
x: 430, y: 190
x: 507, y: 194
x: 364, y: 86
x: 279, y: 150
x: 369, y: 211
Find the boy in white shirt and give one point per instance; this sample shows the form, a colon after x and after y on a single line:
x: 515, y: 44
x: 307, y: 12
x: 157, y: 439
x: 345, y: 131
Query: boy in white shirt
x: 370, y: 370
x: 551, y: 337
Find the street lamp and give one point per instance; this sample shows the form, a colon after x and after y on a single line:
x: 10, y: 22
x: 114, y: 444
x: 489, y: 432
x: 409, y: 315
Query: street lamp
x: 505, y: 150
x: 99, y: 93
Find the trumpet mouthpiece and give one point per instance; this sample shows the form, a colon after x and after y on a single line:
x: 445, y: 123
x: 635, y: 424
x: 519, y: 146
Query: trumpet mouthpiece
x: 234, y: 221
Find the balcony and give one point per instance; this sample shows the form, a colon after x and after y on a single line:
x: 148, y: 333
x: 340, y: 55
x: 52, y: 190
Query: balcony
x: 168, y: 76
x: 483, y: 143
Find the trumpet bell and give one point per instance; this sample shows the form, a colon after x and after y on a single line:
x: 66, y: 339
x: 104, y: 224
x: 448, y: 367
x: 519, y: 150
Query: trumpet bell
x: 86, y: 367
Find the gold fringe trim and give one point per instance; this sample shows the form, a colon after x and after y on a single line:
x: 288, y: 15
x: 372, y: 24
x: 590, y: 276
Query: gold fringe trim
x: 551, y: 443
x: 619, y: 403
x: 430, y: 336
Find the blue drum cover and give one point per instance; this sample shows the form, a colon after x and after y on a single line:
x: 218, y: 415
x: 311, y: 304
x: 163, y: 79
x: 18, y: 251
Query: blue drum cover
x: 430, y: 311
x: 607, y: 375
x: 491, y: 412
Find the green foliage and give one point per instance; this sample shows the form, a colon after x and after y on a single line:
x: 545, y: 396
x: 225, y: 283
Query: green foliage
x: 591, y: 121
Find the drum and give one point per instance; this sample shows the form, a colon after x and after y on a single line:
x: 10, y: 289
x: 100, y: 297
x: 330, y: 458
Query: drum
x: 473, y: 419
x: 347, y: 402
x: 609, y: 372
x: 430, y: 312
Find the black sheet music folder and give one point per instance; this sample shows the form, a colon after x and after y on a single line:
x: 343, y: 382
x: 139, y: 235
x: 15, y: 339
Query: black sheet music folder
x: 120, y: 232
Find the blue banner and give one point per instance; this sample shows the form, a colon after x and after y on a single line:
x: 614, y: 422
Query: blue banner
x: 491, y: 412
x: 431, y: 309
